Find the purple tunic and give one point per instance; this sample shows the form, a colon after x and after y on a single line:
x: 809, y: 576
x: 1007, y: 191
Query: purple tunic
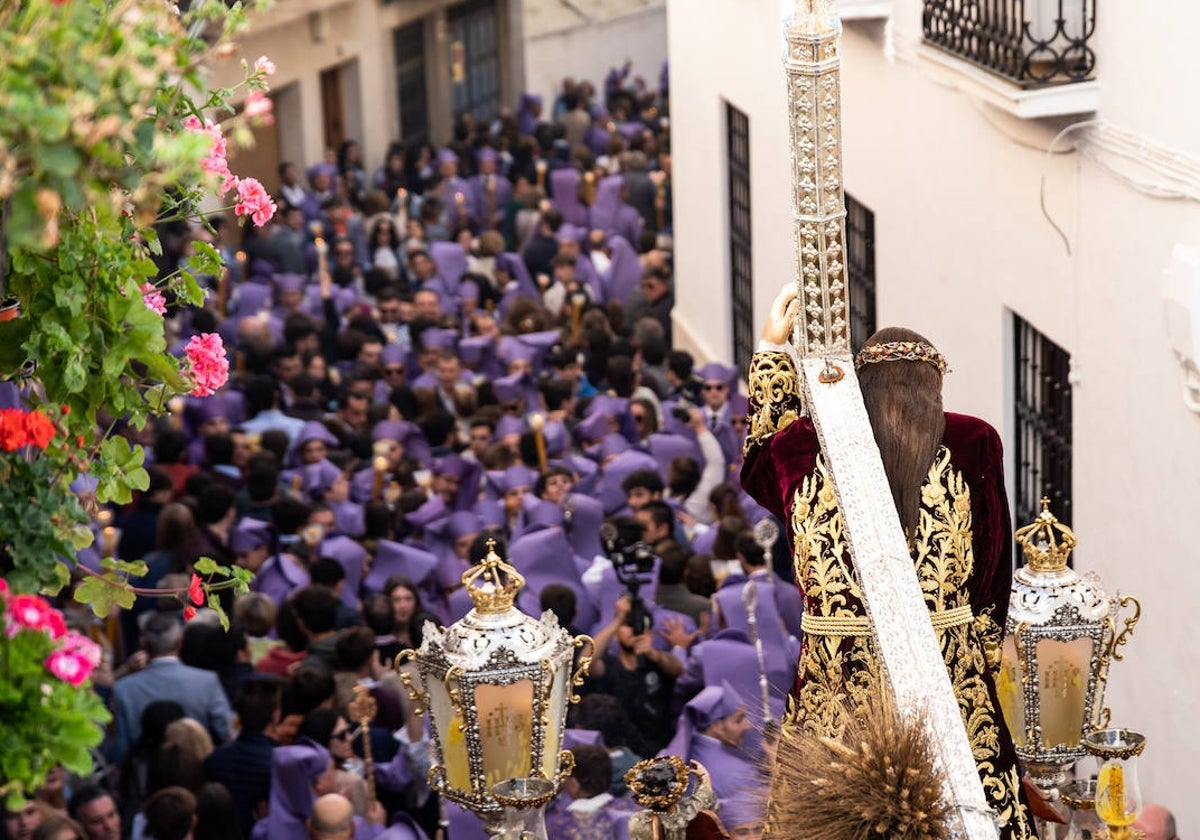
x: 277, y: 577
x: 564, y: 191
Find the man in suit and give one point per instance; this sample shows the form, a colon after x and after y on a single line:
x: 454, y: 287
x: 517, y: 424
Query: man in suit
x: 166, y: 678
x: 244, y: 765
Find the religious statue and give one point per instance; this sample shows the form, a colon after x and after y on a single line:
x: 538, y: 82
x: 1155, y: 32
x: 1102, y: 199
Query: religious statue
x: 945, y: 472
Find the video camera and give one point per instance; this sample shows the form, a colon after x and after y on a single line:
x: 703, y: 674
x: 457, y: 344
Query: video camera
x: 633, y: 563
x: 691, y: 396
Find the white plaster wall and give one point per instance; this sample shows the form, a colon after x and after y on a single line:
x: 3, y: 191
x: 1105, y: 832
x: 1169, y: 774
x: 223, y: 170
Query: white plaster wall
x: 961, y: 243
x: 588, y: 50
x: 723, y: 51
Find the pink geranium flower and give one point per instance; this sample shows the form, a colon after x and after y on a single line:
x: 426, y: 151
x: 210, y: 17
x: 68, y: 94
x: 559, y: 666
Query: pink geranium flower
x: 32, y: 612
x: 75, y: 660
x: 83, y: 646
x: 214, y: 161
x: 254, y: 201
x: 264, y: 65
x: 259, y: 105
x: 206, y: 364
x: 154, y: 299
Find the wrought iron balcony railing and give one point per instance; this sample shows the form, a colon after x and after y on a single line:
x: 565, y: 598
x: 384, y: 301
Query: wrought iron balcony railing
x: 1032, y: 43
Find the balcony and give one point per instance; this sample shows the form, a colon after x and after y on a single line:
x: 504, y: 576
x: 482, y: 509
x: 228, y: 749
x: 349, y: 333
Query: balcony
x: 1035, y: 54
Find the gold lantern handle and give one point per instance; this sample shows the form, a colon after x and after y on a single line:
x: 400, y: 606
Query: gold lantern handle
x: 566, y: 766
x: 585, y: 664
x: 1130, y: 622
x: 419, y: 698
x: 450, y: 680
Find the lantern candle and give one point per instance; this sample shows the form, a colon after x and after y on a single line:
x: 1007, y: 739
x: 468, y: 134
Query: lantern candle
x: 175, y: 406
x: 589, y: 188
x: 322, y: 255
x: 538, y: 423
x: 380, y: 464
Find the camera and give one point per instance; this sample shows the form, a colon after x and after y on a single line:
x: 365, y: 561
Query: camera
x: 691, y: 395
x: 633, y: 563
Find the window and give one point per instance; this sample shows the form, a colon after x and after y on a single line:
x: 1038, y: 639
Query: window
x: 860, y: 262
x: 741, y: 274
x: 1042, y: 393
x: 408, y: 43
x: 474, y: 59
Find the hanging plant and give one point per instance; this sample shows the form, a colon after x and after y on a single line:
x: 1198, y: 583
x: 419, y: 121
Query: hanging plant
x: 107, y: 129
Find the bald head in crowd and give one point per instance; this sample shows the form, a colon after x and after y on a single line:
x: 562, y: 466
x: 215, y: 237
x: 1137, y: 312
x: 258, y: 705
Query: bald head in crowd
x: 1157, y: 822
x: 332, y: 818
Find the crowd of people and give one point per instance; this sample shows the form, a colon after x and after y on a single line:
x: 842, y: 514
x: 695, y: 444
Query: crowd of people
x: 470, y: 347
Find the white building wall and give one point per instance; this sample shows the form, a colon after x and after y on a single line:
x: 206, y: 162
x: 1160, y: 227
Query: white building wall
x: 961, y: 243
x: 587, y: 48
x: 722, y: 51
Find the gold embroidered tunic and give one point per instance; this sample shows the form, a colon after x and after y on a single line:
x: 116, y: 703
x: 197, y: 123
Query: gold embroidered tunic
x: 961, y: 551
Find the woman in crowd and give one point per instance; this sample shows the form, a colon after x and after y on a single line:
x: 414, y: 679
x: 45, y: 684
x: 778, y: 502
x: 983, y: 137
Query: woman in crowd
x: 383, y: 248
x: 409, y: 613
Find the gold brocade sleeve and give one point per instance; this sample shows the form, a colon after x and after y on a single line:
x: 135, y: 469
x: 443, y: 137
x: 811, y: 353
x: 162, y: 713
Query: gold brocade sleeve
x: 775, y: 400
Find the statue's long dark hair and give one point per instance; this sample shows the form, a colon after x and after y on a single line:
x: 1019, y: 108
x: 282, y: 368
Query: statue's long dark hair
x: 904, y: 402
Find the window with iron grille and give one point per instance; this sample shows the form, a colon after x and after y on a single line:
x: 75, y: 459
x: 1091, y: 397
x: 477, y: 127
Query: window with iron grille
x: 1042, y: 393
x: 860, y: 263
x: 741, y: 274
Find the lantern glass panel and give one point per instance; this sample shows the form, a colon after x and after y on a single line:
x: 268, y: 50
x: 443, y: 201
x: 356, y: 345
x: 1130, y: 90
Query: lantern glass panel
x: 505, y: 730
x: 1011, y: 690
x: 450, y: 733
x: 554, y: 713
x: 1063, y: 669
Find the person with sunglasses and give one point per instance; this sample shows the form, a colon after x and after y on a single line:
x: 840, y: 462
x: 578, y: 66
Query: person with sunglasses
x: 333, y: 732
x: 718, y: 382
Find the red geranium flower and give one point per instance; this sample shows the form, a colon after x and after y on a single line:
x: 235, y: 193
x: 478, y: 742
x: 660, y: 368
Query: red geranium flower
x: 196, y: 590
x: 13, y: 434
x: 39, y: 428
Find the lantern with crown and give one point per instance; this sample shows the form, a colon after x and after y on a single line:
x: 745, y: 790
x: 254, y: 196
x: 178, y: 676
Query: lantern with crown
x: 1060, y: 639
x: 497, y: 685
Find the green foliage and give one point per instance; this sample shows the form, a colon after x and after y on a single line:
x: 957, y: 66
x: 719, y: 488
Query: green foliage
x: 43, y: 515
x: 93, y: 153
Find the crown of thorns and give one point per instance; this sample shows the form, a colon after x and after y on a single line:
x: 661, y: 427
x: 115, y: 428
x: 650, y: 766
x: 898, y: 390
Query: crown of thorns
x: 901, y: 351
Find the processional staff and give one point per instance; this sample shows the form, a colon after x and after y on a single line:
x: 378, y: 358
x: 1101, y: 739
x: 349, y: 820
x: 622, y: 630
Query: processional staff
x: 362, y: 710
x: 750, y: 602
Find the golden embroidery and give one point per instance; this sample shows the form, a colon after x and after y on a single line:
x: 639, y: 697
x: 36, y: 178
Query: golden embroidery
x: 774, y: 396
x: 834, y: 669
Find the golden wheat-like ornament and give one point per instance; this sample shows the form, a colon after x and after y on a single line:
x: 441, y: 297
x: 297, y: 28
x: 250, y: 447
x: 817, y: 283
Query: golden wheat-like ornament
x: 877, y: 782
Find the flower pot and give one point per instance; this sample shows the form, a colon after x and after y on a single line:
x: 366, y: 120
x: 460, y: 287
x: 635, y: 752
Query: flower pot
x: 10, y: 309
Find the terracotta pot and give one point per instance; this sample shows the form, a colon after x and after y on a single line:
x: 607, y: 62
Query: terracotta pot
x: 10, y: 309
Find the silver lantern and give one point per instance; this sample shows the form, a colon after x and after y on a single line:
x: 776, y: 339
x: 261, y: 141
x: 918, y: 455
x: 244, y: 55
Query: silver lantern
x: 497, y: 684
x: 1060, y: 638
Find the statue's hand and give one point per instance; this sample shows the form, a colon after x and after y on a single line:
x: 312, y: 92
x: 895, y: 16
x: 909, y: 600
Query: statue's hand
x: 783, y: 313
